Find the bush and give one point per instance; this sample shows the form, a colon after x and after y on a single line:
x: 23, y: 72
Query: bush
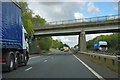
x: 45, y: 43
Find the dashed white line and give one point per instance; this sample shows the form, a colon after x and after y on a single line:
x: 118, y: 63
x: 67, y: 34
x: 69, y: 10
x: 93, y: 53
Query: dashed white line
x: 28, y: 69
x: 45, y: 60
x: 95, y: 73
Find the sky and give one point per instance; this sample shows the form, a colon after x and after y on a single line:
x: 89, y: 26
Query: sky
x: 57, y: 11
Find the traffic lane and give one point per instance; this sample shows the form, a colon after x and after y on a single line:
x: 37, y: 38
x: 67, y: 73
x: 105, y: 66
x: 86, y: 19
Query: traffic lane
x: 54, y: 66
x: 32, y: 61
x: 21, y: 70
x: 57, y: 68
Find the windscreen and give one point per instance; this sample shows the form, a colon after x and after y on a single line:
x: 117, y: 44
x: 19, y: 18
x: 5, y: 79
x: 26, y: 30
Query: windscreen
x: 103, y: 45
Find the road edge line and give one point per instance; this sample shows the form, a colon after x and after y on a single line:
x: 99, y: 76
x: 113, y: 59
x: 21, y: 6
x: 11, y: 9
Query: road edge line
x: 95, y: 73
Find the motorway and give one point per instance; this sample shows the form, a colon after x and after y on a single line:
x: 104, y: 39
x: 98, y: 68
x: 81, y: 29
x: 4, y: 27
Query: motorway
x: 60, y: 64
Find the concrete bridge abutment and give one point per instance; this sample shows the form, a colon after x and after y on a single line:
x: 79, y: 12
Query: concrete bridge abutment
x: 34, y: 47
x: 82, y: 42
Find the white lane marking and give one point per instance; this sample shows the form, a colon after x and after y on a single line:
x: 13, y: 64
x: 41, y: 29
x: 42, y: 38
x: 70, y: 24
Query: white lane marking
x: 45, y: 60
x: 28, y: 69
x: 95, y: 73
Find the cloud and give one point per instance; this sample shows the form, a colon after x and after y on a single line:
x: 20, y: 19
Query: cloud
x: 72, y: 0
x: 62, y: 0
x: 91, y: 9
x: 78, y: 15
x: 118, y: 6
x: 56, y: 11
x: 70, y: 40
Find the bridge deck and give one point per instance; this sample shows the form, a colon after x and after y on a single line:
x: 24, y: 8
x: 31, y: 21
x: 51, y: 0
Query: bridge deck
x: 74, y: 28
x: 78, y: 22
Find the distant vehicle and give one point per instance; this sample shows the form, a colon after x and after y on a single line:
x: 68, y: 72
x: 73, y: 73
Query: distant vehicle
x: 76, y: 49
x: 100, y: 45
x: 61, y: 49
x: 13, y: 38
x: 66, y: 49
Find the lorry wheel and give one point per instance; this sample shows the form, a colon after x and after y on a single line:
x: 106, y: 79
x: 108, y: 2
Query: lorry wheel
x: 25, y: 59
x: 16, y: 62
x: 11, y: 63
x: 20, y: 60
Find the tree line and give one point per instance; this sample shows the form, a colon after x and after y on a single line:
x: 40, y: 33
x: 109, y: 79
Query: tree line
x: 58, y: 44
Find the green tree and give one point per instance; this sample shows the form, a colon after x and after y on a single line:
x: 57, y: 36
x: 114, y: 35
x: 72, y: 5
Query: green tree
x: 57, y: 44
x: 26, y: 17
x: 28, y: 21
x: 45, y: 42
x: 66, y: 45
x: 37, y: 19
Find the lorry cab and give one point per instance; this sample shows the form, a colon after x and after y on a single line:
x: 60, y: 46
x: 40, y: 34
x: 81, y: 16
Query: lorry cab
x: 103, y: 46
x: 25, y: 39
x: 100, y: 45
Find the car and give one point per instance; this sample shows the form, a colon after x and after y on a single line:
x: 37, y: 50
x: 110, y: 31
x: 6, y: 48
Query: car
x: 61, y: 49
x: 66, y: 49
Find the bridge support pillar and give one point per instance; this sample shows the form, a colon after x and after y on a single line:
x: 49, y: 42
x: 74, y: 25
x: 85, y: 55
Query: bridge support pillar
x: 82, y: 42
x: 34, y: 47
x: 79, y: 42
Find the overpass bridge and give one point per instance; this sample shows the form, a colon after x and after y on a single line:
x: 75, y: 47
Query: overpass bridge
x: 102, y: 24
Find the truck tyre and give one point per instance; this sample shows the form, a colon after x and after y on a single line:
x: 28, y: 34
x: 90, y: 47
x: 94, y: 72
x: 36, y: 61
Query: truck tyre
x: 16, y: 61
x: 11, y: 63
x: 19, y: 60
x: 25, y: 59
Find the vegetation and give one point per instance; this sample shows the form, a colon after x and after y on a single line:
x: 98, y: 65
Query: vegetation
x: 45, y: 42
x: 37, y: 19
x: 58, y: 44
x: 26, y: 17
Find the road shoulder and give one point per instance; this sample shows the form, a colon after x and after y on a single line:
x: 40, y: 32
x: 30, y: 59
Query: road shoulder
x: 103, y: 71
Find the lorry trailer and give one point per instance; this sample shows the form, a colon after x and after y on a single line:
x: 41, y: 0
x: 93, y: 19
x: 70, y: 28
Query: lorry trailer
x: 13, y: 37
x: 100, y: 45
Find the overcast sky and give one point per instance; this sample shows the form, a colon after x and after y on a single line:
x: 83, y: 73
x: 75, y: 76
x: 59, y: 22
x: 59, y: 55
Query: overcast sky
x: 57, y: 11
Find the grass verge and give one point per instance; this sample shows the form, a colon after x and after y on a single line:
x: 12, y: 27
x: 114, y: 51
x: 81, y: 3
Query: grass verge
x: 55, y: 49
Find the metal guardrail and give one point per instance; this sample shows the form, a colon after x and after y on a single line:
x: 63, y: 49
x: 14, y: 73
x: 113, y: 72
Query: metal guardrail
x: 103, y: 55
x: 93, y: 19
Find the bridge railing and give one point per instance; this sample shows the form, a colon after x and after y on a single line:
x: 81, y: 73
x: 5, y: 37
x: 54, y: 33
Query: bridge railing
x: 93, y: 19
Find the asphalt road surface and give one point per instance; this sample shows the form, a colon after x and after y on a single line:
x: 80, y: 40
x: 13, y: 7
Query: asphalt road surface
x: 60, y: 64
